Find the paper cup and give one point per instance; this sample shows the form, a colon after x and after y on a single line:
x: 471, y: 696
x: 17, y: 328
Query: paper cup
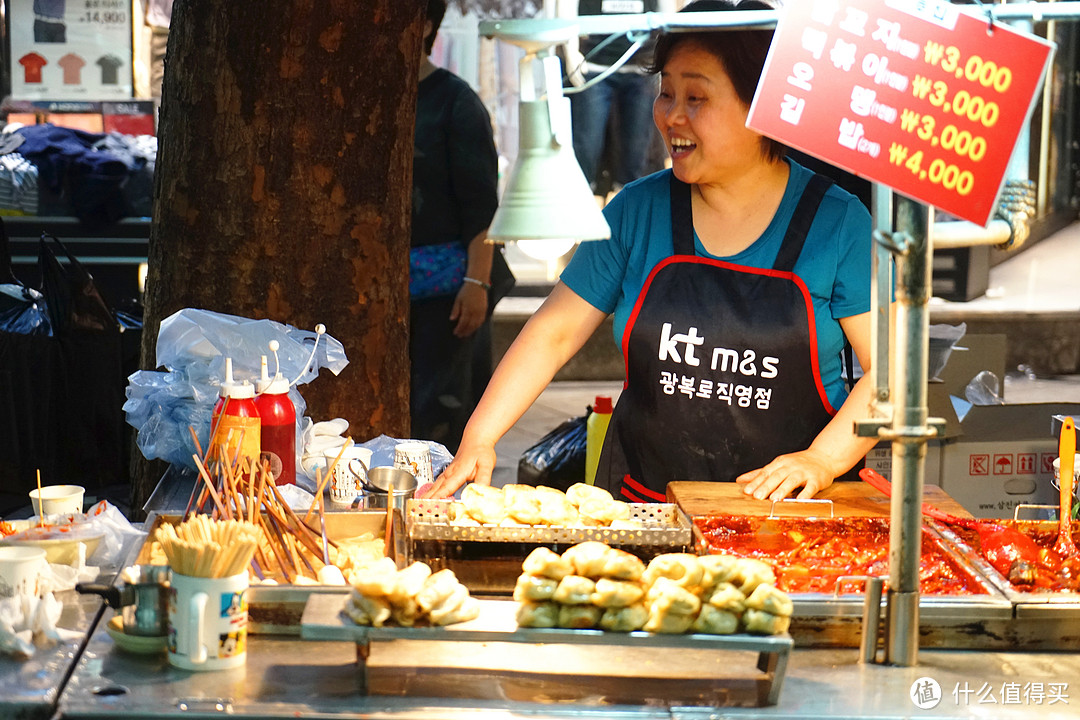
x: 416, y: 458
x: 20, y: 568
x: 1076, y: 472
x: 350, y: 474
x: 57, y: 499
x: 207, y: 622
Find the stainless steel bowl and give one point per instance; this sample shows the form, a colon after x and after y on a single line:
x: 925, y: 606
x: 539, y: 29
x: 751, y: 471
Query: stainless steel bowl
x: 384, y: 481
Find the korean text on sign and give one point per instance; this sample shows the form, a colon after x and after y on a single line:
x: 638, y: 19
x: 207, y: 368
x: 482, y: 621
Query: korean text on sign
x: 914, y: 94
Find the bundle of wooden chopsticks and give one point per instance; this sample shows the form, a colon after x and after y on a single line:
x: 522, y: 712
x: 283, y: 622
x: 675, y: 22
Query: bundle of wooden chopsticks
x: 201, y: 547
x: 288, y: 547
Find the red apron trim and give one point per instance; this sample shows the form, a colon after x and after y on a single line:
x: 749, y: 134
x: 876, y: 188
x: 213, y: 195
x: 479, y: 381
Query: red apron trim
x: 815, y: 364
x: 631, y: 496
x: 639, y: 488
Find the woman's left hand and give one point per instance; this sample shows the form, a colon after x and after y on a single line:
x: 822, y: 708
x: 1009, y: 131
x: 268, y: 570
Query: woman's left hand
x: 807, y: 469
x: 470, y: 309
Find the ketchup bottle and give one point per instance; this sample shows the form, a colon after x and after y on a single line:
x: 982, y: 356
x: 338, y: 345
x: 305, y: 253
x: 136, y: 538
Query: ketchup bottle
x: 278, y: 417
x: 235, y: 427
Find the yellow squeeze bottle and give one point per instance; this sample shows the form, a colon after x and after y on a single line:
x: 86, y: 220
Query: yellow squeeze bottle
x: 595, y: 432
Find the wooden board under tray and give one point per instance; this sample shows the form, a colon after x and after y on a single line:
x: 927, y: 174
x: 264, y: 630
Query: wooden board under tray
x: 848, y: 499
x: 491, y: 657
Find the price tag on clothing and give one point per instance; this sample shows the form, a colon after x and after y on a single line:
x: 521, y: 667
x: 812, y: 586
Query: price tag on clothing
x: 915, y: 94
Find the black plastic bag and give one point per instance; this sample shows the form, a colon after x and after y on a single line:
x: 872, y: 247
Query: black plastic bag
x: 558, y: 459
x: 62, y: 396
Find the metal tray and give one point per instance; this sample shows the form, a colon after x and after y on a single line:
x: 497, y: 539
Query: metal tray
x: 665, y: 525
x: 277, y: 609
x: 1047, y: 528
x: 487, y: 559
x: 834, y: 619
x: 324, y: 620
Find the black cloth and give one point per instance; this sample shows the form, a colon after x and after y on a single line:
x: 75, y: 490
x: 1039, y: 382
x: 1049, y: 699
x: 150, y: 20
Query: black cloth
x: 455, y: 165
x: 455, y: 179
x: 748, y: 333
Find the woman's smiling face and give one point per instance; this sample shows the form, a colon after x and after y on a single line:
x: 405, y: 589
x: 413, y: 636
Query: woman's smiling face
x: 701, y: 118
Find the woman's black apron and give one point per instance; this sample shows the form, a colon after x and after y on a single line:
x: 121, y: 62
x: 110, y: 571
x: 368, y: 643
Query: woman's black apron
x: 722, y: 368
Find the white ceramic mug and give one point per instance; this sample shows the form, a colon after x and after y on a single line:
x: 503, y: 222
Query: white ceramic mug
x: 207, y: 622
x: 1076, y: 471
x: 58, y: 499
x: 20, y: 569
x: 416, y: 458
x: 350, y: 474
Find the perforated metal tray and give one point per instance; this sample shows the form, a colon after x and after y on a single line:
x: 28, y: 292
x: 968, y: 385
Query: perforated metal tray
x: 664, y: 524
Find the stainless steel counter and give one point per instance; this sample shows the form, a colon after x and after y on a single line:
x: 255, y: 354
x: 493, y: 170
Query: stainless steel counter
x: 31, y: 688
x: 286, y: 677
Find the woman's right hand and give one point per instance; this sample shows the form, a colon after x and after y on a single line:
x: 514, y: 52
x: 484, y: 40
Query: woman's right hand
x: 473, y: 462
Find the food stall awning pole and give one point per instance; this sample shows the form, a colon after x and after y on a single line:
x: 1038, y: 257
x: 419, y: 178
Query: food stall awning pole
x: 914, y: 258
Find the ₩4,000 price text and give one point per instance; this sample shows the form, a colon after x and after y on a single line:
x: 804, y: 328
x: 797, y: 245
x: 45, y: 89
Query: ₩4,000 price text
x: 938, y: 171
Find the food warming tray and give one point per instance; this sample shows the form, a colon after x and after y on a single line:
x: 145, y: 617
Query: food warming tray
x: 498, y: 647
x: 1041, y: 620
x: 834, y: 618
x: 487, y: 558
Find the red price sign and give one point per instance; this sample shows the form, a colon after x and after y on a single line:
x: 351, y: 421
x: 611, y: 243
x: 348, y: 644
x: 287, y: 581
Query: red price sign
x: 914, y: 94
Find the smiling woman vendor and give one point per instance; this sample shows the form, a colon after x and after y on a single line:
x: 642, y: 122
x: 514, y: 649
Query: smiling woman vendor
x: 734, y: 279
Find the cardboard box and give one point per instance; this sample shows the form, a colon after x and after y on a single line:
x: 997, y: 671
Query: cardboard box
x: 1003, y: 458
x: 972, y: 354
x: 880, y: 459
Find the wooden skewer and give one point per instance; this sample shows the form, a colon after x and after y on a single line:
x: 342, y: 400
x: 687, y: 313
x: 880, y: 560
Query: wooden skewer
x: 389, y: 519
x: 235, y: 492
x: 41, y: 502
x: 209, y: 484
x: 301, y: 525
x: 251, y: 493
x: 194, y: 488
x: 303, y: 557
x: 280, y: 554
x: 195, y: 439
x: 258, y: 562
x: 282, y: 521
x: 322, y: 526
x: 289, y: 541
x: 326, y: 476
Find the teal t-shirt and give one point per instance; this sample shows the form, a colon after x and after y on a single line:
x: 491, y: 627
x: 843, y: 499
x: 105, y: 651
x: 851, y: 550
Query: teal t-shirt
x: 835, y: 262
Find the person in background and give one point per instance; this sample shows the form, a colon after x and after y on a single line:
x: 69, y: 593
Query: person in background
x: 455, y: 185
x: 158, y: 15
x: 734, y: 279
x: 621, y: 102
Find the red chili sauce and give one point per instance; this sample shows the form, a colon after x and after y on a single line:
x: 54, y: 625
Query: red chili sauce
x: 1051, y: 573
x: 810, y: 555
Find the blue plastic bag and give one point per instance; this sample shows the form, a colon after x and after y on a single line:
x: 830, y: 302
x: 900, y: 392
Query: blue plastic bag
x: 192, y: 345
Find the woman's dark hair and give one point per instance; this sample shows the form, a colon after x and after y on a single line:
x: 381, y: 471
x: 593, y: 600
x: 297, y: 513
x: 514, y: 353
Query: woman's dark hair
x: 741, y: 52
x: 435, y: 11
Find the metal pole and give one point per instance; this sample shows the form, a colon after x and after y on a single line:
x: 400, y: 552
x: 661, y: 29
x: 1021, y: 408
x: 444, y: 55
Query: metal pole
x: 909, y: 431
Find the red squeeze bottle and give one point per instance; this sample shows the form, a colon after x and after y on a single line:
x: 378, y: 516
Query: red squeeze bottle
x: 278, y: 416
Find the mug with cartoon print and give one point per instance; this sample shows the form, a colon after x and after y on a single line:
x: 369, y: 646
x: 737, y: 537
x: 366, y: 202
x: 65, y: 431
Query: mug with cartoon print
x: 208, y: 622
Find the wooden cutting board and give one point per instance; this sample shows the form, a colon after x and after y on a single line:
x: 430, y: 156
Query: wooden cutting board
x: 848, y: 499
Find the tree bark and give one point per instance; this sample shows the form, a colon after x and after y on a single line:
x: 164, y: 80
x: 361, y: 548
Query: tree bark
x: 283, y: 185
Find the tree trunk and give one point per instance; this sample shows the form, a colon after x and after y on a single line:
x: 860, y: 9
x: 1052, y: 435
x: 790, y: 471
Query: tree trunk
x: 283, y: 186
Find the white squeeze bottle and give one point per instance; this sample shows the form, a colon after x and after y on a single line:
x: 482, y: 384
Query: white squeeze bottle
x: 595, y: 432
